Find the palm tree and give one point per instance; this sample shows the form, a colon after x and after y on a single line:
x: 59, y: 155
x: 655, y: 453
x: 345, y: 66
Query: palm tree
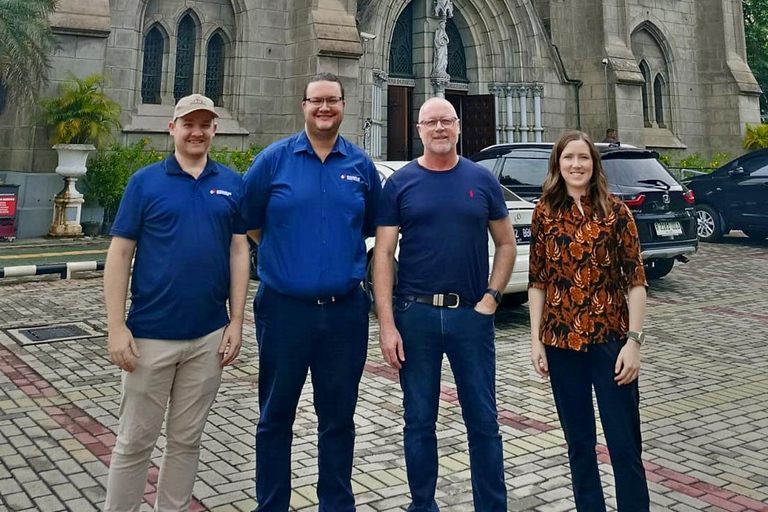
x: 26, y: 45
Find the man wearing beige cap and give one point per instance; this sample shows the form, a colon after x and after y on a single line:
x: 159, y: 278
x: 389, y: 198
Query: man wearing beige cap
x: 181, y: 217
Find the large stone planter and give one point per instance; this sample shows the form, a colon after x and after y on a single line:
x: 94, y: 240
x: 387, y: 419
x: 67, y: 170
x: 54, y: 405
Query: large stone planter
x: 67, y: 204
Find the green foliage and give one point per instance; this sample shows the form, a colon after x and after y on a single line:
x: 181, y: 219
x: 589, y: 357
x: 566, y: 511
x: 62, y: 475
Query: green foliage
x: 82, y: 113
x: 756, y: 33
x: 693, y: 161
x: 719, y: 159
x: 26, y: 46
x: 756, y: 137
x: 109, y: 170
x: 666, y: 159
x: 236, y: 159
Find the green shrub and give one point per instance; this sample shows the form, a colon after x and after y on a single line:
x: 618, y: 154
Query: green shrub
x: 109, y: 170
x: 236, y: 159
x: 693, y: 161
x: 756, y: 137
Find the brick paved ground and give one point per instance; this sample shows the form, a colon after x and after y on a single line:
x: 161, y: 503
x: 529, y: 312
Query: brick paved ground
x: 704, y: 387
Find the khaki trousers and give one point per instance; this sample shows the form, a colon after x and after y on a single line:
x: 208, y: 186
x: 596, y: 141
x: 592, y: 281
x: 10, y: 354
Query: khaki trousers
x: 182, y: 378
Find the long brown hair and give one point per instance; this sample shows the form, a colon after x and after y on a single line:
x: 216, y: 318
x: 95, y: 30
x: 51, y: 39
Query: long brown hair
x: 554, y: 193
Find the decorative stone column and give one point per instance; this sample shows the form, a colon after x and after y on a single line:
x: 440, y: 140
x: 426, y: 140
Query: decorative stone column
x: 537, y: 128
x: 523, y: 92
x: 497, y: 114
x: 510, y: 90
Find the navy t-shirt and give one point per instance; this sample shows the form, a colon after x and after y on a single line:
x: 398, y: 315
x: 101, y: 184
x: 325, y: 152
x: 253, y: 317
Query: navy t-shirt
x: 443, y: 218
x: 314, y: 216
x: 183, y: 230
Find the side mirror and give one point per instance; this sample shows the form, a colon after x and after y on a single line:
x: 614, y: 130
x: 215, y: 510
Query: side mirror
x: 739, y: 171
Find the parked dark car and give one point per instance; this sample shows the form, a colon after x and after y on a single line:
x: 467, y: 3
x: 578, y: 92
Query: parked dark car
x: 663, y: 208
x: 734, y: 196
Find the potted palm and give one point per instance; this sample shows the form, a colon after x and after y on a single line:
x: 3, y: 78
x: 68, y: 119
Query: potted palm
x: 81, y: 117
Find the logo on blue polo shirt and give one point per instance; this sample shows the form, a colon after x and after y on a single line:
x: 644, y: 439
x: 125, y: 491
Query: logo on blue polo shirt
x: 221, y: 192
x: 349, y: 177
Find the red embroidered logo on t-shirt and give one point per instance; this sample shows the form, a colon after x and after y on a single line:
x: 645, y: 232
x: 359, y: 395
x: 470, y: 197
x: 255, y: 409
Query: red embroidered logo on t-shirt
x: 471, y: 194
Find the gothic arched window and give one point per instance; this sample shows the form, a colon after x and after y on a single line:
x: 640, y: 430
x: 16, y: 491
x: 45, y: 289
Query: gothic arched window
x: 457, y: 60
x: 152, y: 70
x: 185, y: 58
x: 658, y: 100
x: 646, y: 107
x: 214, y: 69
x: 400, y: 53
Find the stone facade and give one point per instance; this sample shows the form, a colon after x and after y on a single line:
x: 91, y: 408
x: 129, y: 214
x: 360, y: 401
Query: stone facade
x: 543, y: 66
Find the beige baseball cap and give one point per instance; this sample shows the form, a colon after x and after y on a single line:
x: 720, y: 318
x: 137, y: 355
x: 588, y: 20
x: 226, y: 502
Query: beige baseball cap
x: 192, y: 103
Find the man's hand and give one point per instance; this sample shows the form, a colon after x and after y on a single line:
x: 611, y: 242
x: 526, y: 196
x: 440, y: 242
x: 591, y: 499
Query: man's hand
x: 123, y: 351
x: 628, y: 363
x: 231, y: 341
x: 392, y: 347
x: 539, y: 358
x: 487, y: 305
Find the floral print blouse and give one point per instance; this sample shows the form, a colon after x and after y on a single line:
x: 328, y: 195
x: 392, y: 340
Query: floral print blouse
x: 585, y: 265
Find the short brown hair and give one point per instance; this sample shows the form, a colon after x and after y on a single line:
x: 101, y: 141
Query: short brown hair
x: 324, y: 77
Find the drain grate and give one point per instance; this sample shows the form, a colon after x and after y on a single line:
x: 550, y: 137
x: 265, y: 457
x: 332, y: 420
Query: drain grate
x: 53, y: 333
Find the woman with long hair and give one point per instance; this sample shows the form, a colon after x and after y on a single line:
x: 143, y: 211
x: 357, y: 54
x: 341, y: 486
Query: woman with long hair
x: 585, y: 332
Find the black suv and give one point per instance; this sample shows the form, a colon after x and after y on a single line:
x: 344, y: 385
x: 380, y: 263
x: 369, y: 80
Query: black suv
x: 734, y: 196
x: 663, y: 208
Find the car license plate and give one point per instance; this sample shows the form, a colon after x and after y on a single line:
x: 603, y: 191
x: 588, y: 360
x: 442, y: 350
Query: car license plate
x: 668, y: 228
x: 522, y: 234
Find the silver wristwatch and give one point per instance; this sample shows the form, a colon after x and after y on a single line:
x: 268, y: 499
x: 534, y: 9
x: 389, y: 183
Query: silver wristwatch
x: 639, y: 337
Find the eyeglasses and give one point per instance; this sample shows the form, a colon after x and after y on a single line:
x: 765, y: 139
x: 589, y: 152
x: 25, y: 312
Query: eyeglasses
x: 331, y: 102
x: 446, y: 122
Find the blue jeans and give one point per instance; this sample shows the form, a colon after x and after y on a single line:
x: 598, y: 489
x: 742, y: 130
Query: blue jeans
x: 573, y: 374
x: 467, y: 338
x: 330, y: 340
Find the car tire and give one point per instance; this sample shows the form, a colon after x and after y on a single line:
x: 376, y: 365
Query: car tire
x: 708, y: 225
x: 658, y: 268
x: 756, y: 234
x: 515, y: 300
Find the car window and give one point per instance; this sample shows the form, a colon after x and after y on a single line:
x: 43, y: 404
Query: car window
x: 637, y: 172
x: 488, y: 163
x: 763, y: 171
x: 525, y: 168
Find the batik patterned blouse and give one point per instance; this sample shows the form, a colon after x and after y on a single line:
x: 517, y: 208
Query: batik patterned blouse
x: 585, y: 265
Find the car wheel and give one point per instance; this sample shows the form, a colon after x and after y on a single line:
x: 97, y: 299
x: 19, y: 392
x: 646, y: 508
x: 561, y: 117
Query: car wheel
x: 658, y: 268
x: 708, y: 224
x: 515, y: 300
x: 756, y: 234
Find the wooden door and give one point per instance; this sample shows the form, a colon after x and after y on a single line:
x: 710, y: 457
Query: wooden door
x: 478, y: 123
x: 399, y: 123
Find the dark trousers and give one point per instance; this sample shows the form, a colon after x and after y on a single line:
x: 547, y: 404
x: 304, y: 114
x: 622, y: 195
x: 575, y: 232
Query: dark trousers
x: 573, y: 375
x: 330, y: 340
x: 467, y: 338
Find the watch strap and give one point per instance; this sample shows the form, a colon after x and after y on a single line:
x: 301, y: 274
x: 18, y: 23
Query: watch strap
x: 497, y: 296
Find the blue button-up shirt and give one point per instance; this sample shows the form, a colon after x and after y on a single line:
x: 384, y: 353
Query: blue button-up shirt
x: 314, y: 216
x: 183, y: 230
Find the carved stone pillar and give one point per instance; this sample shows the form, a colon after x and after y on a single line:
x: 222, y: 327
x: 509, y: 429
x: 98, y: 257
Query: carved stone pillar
x: 510, y: 91
x: 538, y: 130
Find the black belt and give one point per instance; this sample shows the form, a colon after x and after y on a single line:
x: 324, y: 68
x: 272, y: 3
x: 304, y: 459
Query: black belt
x: 440, y: 300
x: 322, y: 301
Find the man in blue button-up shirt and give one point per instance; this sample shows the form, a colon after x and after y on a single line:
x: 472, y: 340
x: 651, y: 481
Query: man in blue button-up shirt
x: 310, y: 202
x: 181, y: 218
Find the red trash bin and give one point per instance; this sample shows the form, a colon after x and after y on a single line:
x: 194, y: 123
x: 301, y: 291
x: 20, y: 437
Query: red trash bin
x: 9, y: 200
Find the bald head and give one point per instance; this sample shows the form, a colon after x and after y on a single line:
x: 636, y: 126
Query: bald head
x: 436, y: 107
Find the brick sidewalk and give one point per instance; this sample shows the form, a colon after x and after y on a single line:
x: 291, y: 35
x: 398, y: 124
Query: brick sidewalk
x: 704, y: 387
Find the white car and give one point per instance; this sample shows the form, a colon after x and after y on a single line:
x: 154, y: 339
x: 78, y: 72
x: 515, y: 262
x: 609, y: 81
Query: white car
x: 520, y: 213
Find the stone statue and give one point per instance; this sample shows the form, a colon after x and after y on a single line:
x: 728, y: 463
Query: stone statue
x: 441, y: 51
x: 444, y: 8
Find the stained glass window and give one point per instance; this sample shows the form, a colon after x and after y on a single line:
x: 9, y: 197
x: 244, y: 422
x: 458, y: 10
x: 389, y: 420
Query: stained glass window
x: 401, y: 50
x: 3, y: 97
x: 214, y: 72
x: 457, y: 60
x: 153, y: 67
x: 646, y: 108
x: 658, y: 100
x: 185, y: 58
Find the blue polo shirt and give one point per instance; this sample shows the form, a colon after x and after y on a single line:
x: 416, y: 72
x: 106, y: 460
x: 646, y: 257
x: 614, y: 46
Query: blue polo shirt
x: 183, y: 229
x: 443, y: 218
x: 314, y: 216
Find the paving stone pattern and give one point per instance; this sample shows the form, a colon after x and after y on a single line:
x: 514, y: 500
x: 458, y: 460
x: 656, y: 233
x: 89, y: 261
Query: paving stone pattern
x: 704, y: 385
